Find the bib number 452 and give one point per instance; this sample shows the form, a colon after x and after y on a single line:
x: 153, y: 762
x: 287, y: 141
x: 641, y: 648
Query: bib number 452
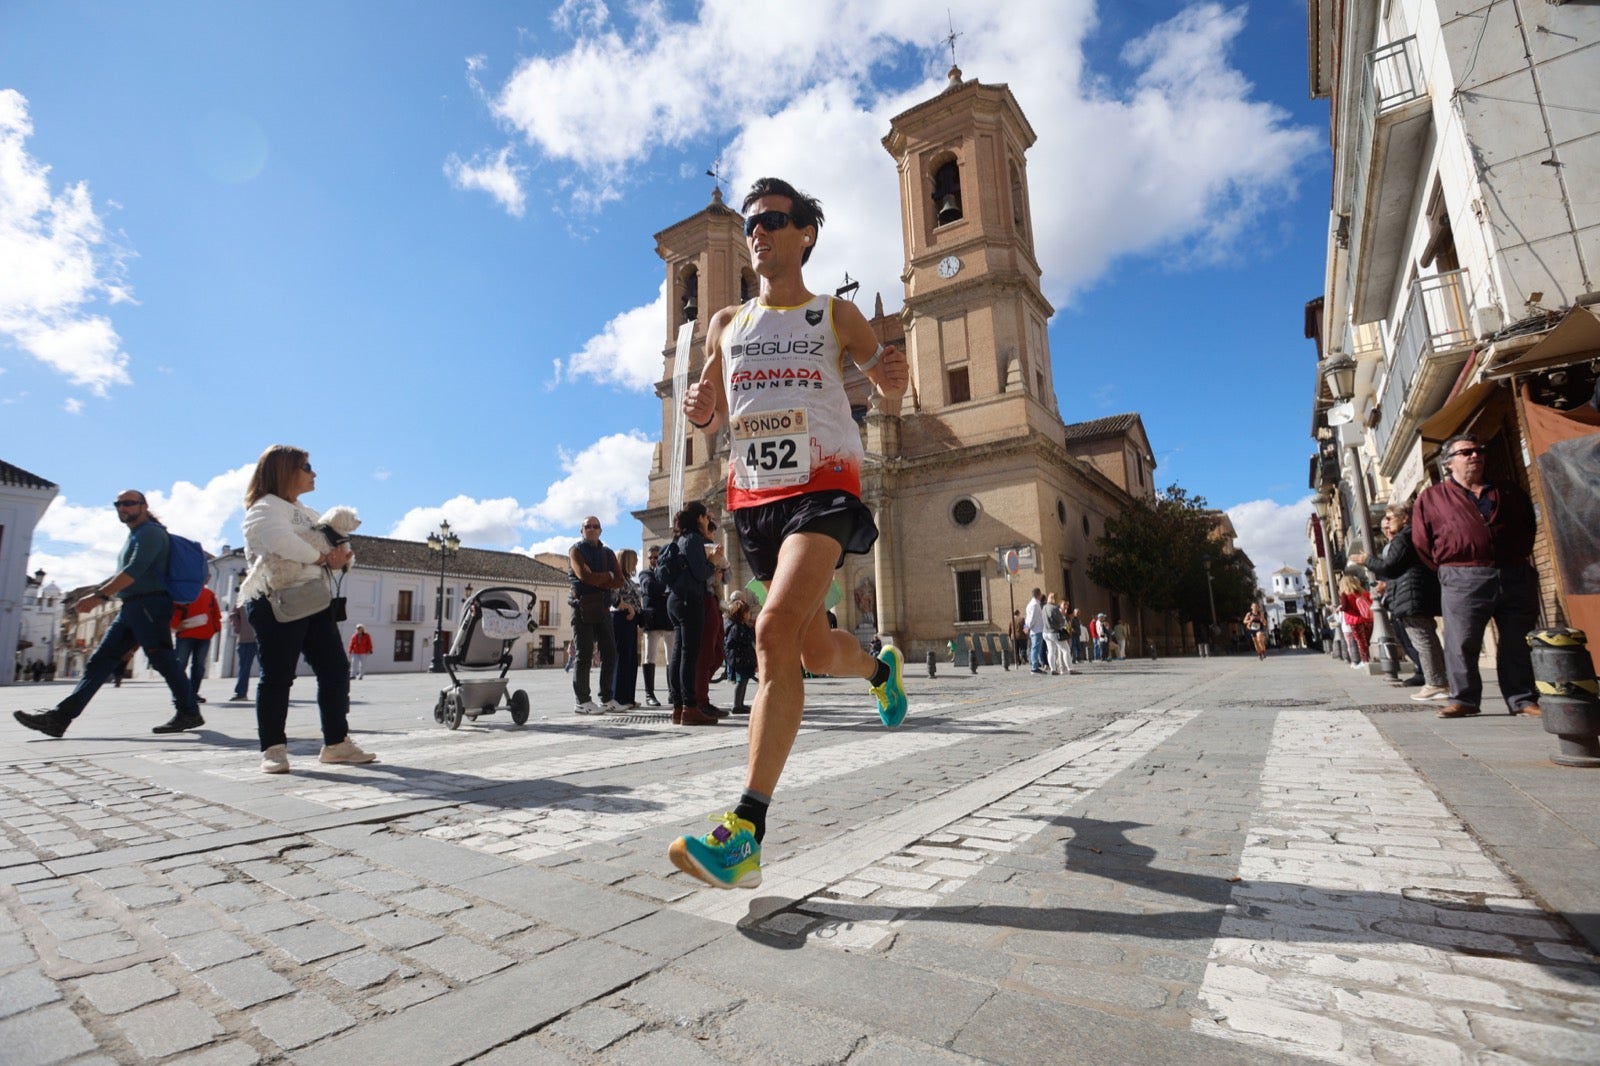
x: 771, y: 456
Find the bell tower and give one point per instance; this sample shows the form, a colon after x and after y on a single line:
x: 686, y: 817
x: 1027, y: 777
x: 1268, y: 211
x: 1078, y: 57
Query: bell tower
x: 708, y: 268
x: 975, y: 316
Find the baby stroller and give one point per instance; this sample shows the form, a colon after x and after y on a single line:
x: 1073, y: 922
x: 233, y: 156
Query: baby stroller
x: 491, y: 622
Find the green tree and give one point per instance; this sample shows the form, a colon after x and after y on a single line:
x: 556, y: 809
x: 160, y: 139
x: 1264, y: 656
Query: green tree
x: 1155, y: 553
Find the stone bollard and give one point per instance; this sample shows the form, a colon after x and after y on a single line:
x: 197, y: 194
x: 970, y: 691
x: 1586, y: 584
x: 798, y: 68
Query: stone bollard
x: 933, y: 664
x: 1569, y: 696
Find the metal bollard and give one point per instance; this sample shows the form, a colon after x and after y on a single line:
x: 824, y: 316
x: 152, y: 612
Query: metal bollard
x: 1389, y: 654
x: 972, y: 660
x: 933, y: 664
x: 1150, y: 649
x: 1005, y: 658
x: 1569, y: 697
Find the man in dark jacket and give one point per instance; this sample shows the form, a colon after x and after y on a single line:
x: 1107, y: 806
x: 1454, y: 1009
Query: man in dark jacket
x: 1478, y: 535
x: 1411, y: 595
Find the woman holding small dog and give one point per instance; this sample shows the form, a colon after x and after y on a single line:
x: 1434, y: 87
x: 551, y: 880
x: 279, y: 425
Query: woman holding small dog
x: 288, y: 601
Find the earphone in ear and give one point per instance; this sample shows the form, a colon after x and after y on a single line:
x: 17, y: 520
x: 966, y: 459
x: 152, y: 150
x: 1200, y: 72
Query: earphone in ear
x: 808, y: 240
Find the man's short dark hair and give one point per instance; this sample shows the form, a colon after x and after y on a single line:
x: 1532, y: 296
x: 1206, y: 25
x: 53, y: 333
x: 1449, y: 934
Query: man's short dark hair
x: 803, y: 210
x: 1450, y: 445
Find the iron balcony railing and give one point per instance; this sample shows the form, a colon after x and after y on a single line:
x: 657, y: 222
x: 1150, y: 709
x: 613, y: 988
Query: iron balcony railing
x: 1437, y: 319
x: 1392, y: 79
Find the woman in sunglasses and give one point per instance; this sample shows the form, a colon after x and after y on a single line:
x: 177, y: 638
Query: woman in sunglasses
x: 290, y: 560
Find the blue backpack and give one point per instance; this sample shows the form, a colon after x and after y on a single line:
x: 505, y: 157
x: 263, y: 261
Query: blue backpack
x: 186, y: 569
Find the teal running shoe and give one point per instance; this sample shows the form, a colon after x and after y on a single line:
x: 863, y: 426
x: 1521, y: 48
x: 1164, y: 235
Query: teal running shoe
x: 726, y: 857
x: 892, y: 693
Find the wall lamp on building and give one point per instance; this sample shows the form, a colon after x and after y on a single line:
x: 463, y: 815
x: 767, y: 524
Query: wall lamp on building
x: 1340, y: 374
x: 446, y: 544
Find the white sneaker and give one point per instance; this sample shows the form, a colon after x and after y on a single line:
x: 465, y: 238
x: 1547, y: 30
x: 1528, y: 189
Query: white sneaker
x: 1430, y: 692
x: 1358, y: 666
x: 275, y: 760
x: 588, y: 707
x: 345, y: 753
x: 613, y: 707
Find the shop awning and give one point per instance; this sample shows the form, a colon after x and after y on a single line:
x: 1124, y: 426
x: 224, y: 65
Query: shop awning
x: 1450, y: 419
x: 1575, y: 339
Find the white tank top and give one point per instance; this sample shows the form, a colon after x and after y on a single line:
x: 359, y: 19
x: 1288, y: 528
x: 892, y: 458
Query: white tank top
x: 788, y: 413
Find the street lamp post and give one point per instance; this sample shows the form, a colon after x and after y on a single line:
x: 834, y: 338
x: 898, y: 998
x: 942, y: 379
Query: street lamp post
x: 446, y: 544
x: 1211, y: 598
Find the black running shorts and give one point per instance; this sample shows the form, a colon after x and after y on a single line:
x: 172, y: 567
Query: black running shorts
x: 838, y: 514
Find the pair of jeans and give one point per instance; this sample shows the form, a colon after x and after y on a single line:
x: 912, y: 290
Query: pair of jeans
x: 1425, y: 640
x: 588, y: 634
x: 144, y: 621
x: 281, y: 645
x: 625, y: 678
x: 1472, y: 596
x: 688, y: 622
x: 247, y: 660
x: 1036, y: 652
x: 191, y: 652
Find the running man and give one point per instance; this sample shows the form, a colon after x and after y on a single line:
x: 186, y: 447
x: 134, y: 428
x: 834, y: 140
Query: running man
x: 772, y: 373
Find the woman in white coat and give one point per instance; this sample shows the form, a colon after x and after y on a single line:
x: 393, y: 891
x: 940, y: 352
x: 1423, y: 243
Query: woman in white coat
x: 286, y: 551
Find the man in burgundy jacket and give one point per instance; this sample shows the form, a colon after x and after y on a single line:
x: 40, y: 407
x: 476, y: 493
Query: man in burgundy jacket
x: 1478, y: 535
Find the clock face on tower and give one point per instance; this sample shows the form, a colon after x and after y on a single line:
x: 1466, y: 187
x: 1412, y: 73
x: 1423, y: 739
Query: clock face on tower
x: 948, y: 266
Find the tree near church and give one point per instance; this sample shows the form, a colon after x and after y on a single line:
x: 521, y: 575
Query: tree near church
x: 1155, y: 552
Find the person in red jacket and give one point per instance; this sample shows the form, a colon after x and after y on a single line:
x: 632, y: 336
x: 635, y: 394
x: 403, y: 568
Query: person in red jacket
x: 194, y: 624
x: 360, y: 648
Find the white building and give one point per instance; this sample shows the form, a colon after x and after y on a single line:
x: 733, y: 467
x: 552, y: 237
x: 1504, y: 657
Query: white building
x: 1463, y: 243
x: 41, y: 624
x: 23, y: 499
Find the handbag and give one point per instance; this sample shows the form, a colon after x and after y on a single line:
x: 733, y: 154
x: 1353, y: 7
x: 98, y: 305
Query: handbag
x: 337, y: 601
x: 299, y: 601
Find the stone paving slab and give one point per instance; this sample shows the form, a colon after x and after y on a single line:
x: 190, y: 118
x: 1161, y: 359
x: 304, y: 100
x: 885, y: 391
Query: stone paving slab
x: 1152, y: 860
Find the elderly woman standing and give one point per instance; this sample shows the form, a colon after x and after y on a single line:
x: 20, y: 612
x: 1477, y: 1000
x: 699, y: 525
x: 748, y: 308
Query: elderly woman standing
x: 286, y: 551
x: 1412, y: 594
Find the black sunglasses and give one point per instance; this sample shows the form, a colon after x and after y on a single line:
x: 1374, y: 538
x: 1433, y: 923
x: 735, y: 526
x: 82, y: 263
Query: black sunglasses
x: 127, y: 503
x: 771, y: 221
x: 1466, y: 451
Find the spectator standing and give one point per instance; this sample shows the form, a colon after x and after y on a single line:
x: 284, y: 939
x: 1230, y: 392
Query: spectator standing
x: 1033, y: 621
x: 244, y: 636
x: 739, y: 646
x: 1412, y: 596
x: 1018, y: 634
x: 1355, y: 605
x: 360, y: 648
x: 287, y: 551
x: 686, y: 607
x: 625, y: 611
x: 594, y: 573
x: 1477, y: 535
x: 194, y: 625
x: 144, y: 620
x: 657, y: 629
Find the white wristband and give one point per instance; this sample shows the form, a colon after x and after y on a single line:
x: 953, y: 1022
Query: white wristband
x: 870, y: 363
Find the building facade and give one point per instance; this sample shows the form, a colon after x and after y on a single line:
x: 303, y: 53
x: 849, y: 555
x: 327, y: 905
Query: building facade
x: 974, y: 465
x: 1463, y: 251
x: 23, y: 500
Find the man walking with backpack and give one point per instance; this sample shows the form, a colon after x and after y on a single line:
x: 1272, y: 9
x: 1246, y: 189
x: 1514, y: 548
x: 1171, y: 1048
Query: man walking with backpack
x: 144, y: 621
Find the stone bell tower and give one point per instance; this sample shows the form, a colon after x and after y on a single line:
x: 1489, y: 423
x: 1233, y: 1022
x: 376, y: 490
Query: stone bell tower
x: 708, y: 268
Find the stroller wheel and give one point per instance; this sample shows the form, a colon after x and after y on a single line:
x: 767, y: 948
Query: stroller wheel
x: 455, y: 708
x: 438, y: 707
x: 519, y: 707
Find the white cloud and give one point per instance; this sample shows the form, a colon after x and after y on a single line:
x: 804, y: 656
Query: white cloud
x: 1166, y: 153
x: 626, y: 352
x: 479, y: 523
x: 497, y: 175
x: 1273, y: 534
x: 72, y: 405
x: 608, y: 479
x: 55, y: 265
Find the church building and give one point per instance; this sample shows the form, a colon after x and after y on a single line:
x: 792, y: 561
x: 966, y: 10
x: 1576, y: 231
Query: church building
x: 975, y: 472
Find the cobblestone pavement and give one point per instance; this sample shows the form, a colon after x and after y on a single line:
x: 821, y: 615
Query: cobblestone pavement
x: 1196, y: 860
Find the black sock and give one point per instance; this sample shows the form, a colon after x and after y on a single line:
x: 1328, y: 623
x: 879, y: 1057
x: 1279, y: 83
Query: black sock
x: 752, y: 807
x: 881, y: 673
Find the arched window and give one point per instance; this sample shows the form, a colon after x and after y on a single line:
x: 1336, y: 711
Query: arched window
x: 947, y: 193
x: 690, y: 305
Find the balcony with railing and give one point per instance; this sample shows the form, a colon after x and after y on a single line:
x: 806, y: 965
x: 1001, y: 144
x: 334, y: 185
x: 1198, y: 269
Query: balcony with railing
x: 1395, y: 119
x: 1431, y: 344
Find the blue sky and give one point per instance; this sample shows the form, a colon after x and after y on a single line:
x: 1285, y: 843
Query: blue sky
x: 416, y: 239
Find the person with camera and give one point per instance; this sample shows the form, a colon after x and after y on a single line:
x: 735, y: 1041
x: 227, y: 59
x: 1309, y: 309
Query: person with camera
x: 288, y: 600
